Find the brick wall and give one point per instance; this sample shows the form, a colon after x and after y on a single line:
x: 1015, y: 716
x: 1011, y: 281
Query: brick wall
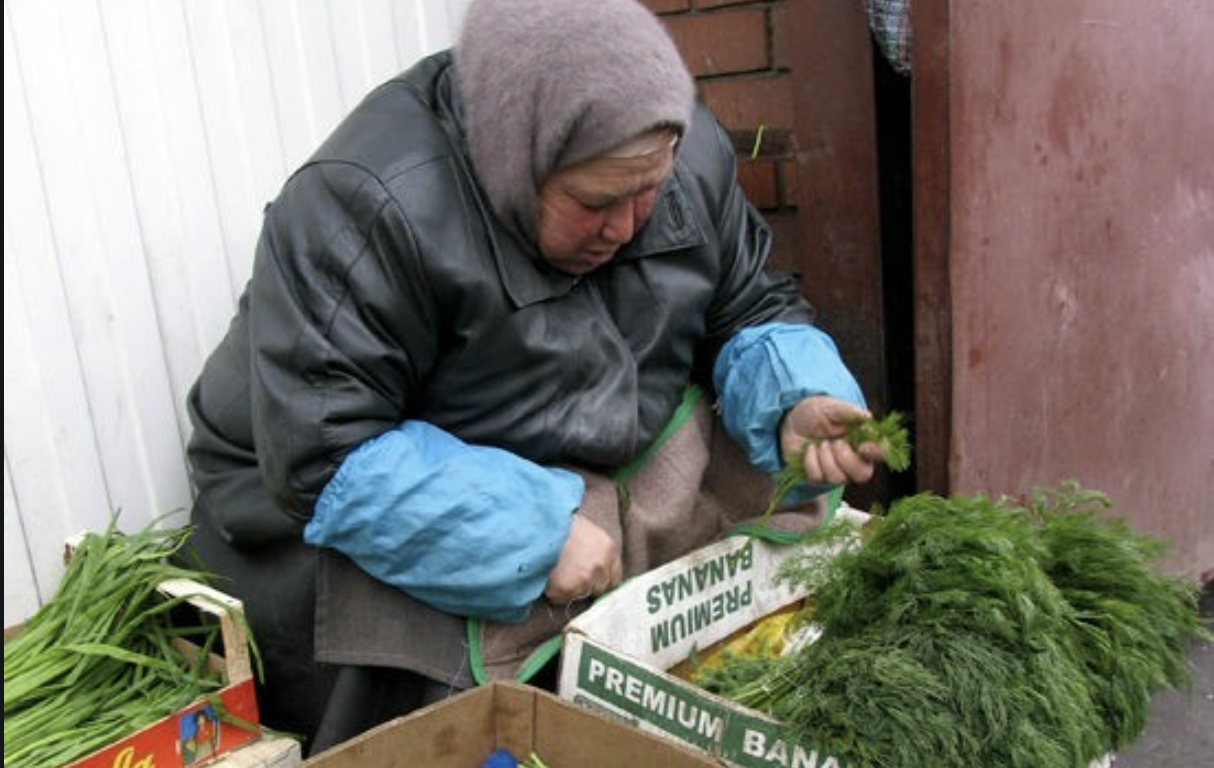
x: 737, y: 53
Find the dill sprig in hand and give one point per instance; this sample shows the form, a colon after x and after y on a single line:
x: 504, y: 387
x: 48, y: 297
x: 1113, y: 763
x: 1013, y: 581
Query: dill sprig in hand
x: 887, y: 434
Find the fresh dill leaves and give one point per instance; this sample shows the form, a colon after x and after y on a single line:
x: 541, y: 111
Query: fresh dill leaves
x: 1136, y: 622
x: 735, y: 672
x: 968, y: 632
x: 887, y: 433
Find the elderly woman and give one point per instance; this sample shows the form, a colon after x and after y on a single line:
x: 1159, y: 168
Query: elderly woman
x: 509, y: 338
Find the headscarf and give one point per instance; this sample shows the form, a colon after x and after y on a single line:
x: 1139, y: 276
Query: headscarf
x: 546, y: 84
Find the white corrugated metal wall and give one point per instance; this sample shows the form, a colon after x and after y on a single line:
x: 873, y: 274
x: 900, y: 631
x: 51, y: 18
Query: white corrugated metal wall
x: 142, y: 139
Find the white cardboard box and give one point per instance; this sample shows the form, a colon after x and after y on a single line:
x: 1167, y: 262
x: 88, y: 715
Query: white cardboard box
x: 270, y: 751
x: 617, y: 654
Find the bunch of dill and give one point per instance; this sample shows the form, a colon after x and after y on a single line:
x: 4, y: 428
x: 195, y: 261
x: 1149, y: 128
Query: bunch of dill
x: 965, y: 632
x: 1134, y: 624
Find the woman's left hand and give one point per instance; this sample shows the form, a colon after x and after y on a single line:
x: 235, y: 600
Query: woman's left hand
x: 817, y: 426
x: 590, y: 563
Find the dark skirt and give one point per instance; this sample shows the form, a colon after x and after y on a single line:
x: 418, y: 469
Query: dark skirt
x: 275, y: 575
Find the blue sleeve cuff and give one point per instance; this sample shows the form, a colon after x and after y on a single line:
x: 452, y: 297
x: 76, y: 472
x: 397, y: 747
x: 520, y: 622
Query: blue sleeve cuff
x: 764, y: 371
x: 469, y: 530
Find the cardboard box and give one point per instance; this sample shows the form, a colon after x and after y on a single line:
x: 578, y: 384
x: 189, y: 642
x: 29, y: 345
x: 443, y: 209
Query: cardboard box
x: 618, y: 655
x: 173, y: 741
x: 464, y: 730
x: 270, y: 751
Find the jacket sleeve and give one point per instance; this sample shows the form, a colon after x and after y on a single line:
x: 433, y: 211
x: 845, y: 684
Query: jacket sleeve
x: 343, y: 330
x: 765, y: 370
x: 340, y: 326
x: 764, y: 352
x: 470, y: 530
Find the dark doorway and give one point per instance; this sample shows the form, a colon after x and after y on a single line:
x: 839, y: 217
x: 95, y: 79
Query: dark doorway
x: 892, y: 92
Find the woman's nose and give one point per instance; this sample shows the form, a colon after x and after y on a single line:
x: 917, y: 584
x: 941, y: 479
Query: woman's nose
x: 619, y: 223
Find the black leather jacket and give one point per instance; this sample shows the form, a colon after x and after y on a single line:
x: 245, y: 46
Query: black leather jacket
x: 383, y: 290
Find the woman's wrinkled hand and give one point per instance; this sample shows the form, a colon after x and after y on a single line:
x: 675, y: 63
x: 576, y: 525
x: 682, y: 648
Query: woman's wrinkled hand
x: 590, y: 563
x: 817, y: 426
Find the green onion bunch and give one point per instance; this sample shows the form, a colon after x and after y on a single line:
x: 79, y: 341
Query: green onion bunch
x: 97, y: 662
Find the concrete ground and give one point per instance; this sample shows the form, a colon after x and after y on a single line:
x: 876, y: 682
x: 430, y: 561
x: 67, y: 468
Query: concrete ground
x: 1180, y: 733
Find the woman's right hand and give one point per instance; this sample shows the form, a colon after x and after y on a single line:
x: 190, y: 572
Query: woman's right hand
x: 590, y: 564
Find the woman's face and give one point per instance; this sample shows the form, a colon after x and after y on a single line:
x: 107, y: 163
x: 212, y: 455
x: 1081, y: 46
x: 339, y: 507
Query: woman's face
x: 589, y: 210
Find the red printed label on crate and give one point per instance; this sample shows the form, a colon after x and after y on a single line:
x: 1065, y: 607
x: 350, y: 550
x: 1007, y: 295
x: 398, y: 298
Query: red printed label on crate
x: 194, y: 736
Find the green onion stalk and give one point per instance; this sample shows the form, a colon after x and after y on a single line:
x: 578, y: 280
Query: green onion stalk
x: 97, y: 661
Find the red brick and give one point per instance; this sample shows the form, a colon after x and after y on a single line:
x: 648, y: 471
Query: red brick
x: 781, y: 38
x: 722, y: 43
x: 758, y: 180
x: 786, y: 240
x: 706, y: 4
x: 667, y: 6
x: 768, y: 142
x: 748, y: 102
x: 789, y: 182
